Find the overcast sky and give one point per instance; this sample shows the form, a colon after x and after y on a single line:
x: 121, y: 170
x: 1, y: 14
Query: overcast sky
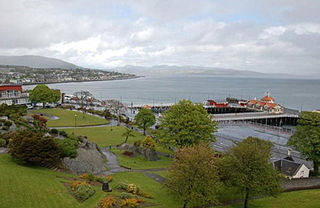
x: 265, y: 36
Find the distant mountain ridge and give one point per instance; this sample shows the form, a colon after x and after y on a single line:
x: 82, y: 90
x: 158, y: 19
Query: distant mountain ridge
x: 36, y: 62
x: 192, y: 70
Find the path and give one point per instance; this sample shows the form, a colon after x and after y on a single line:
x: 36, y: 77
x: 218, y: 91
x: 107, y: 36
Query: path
x: 113, y: 163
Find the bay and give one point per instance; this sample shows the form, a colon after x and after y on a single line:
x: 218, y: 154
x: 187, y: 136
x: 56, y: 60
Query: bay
x: 291, y: 93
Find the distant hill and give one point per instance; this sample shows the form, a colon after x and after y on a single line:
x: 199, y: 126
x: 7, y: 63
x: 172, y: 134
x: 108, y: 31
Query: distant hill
x: 36, y: 62
x: 192, y: 70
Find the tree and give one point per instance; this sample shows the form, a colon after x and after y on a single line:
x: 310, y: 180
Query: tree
x: 193, y: 176
x: 306, y: 138
x: 43, y: 94
x: 33, y: 148
x: 186, y: 124
x: 247, y: 167
x: 145, y: 119
x: 117, y: 108
x: 128, y: 133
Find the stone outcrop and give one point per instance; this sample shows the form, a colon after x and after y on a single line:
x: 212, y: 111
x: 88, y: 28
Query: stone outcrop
x: 89, y: 159
x: 147, y: 153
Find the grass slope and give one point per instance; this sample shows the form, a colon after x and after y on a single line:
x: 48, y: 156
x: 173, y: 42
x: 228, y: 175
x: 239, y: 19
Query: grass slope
x: 33, y: 187
x: 140, y: 162
x: 296, y: 199
x: 67, y: 118
x: 162, y: 198
x: 104, y: 136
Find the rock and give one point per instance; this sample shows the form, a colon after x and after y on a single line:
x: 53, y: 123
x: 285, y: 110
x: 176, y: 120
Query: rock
x: 89, y: 159
x: 147, y: 153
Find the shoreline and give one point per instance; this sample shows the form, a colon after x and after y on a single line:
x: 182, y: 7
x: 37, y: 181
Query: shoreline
x: 29, y: 84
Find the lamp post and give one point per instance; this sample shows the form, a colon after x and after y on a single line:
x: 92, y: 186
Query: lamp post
x: 75, y: 122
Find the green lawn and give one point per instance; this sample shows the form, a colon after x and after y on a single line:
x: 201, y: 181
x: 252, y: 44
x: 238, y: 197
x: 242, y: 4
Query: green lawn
x: 32, y: 187
x: 139, y: 162
x: 296, y: 199
x: 104, y: 136
x: 162, y: 198
x: 163, y: 173
x: 67, y: 118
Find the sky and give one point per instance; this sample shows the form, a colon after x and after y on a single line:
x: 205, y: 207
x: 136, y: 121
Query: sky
x: 270, y: 36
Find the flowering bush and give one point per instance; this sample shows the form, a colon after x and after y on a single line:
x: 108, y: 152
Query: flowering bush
x: 132, y: 202
x: 107, y: 202
x: 84, y: 176
x: 149, y: 143
x: 74, y: 184
x: 133, y: 189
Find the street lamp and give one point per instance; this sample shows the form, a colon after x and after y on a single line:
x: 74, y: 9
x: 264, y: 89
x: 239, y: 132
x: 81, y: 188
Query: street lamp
x: 75, y: 122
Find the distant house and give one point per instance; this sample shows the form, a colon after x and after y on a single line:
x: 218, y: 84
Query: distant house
x: 12, y: 94
x: 290, y: 168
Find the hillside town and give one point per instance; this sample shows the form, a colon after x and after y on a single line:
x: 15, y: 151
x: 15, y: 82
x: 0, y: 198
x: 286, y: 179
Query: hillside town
x: 28, y: 76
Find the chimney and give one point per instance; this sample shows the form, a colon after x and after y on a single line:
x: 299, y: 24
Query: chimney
x: 289, y: 152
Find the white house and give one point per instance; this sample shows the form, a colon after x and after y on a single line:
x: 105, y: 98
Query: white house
x: 291, y: 169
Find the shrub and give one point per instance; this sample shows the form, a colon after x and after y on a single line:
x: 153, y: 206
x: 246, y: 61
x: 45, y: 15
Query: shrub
x: 84, y: 192
x: 67, y: 147
x: 54, y: 131
x: 75, y: 184
x: 2, y: 142
x: 63, y: 133
x: 91, y: 177
x: 33, y: 148
x: 137, y: 143
x: 149, y: 143
x: 7, y: 123
x: 131, y: 203
x: 125, y: 195
x: 131, y: 188
x: 107, y: 202
x: 5, y: 128
x: 102, y: 179
x: 84, y: 176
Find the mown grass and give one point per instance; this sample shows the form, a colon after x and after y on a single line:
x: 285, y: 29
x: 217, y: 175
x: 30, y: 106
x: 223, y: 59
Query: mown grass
x: 34, y: 187
x: 161, y: 197
x: 139, y: 162
x: 104, y: 136
x: 296, y: 199
x: 67, y: 118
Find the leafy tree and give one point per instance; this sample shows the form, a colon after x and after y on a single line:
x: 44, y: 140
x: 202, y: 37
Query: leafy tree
x: 43, y: 94
x: 306, y: 138
x: 186, y: 124
x: 33, y: 148
x: 247, y: 167
x: 128, y: 133
x: 145, y: 119
x: 194, y: 176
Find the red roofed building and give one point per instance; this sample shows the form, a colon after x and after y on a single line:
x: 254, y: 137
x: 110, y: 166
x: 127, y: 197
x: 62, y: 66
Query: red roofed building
x: 217, y: 104
x: 12, y: 94
x: 267, y: 103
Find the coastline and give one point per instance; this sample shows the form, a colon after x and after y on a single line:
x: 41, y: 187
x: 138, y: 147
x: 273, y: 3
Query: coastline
x: 96, y: 80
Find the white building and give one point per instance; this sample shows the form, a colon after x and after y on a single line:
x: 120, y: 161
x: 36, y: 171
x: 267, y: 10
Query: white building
x: 12, y: 94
